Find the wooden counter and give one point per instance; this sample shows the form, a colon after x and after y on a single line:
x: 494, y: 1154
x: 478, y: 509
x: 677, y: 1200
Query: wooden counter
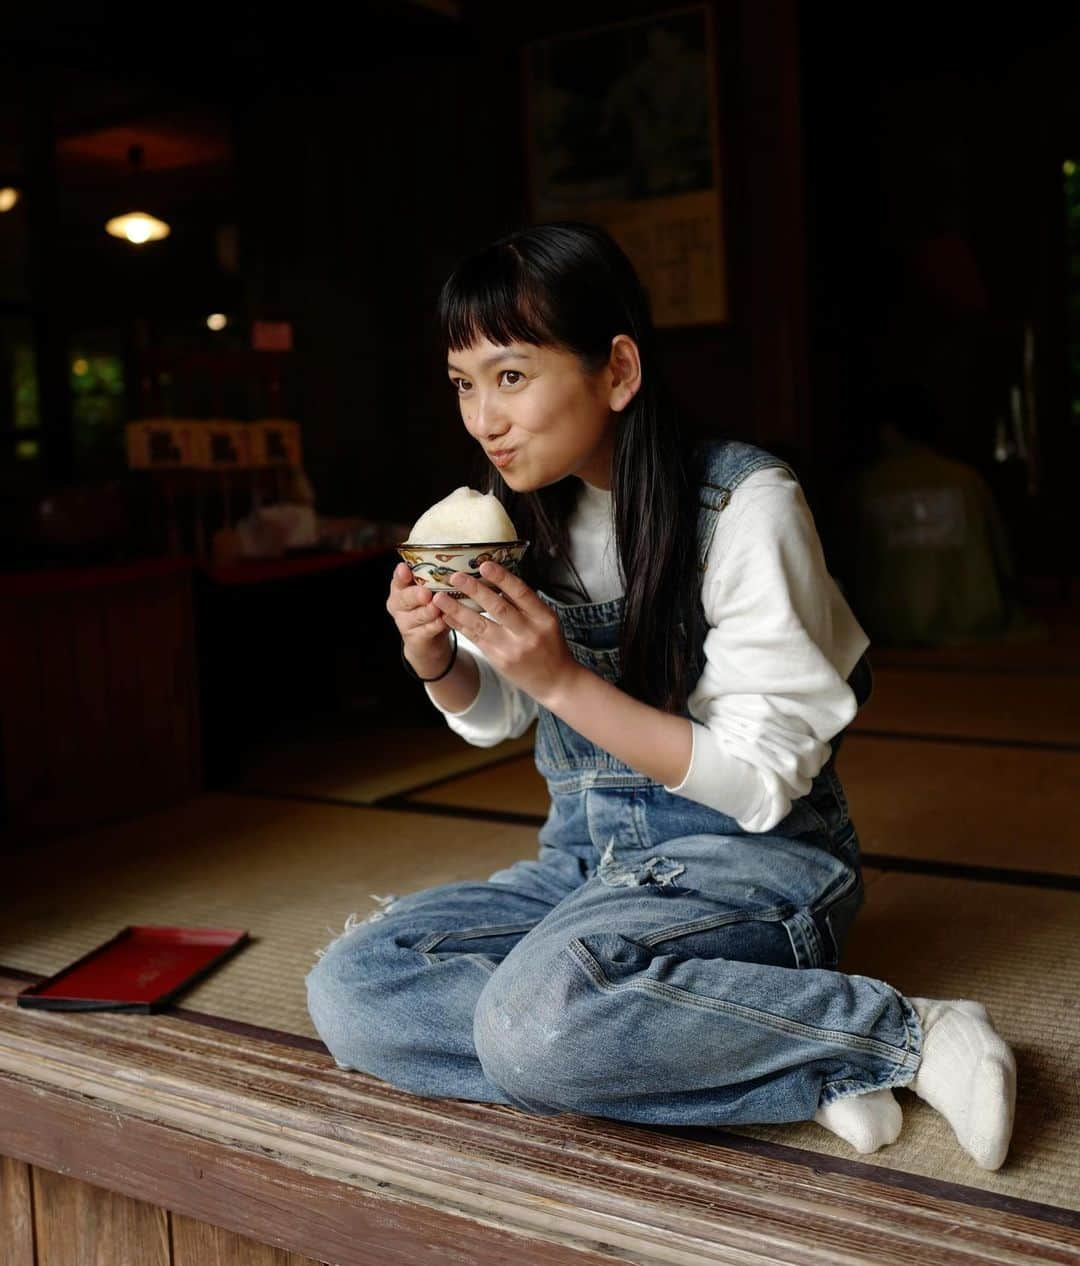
x: 103, y: 714
x: 98, y: 701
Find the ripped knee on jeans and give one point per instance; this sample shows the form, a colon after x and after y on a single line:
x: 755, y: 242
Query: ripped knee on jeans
x: 352, y: 922
x: 661, y: 871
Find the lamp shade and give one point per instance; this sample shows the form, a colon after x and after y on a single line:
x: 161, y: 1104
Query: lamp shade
x: 138, y: 227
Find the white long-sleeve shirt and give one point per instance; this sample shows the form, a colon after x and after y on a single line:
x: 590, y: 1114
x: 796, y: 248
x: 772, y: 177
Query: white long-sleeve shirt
x: 780, y: 645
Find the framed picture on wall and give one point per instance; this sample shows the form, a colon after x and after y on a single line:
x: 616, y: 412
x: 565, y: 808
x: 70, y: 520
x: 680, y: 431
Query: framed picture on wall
x: 622, y: 131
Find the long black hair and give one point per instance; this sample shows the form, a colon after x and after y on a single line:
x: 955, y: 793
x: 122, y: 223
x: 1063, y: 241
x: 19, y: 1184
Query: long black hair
x: 568, y: 285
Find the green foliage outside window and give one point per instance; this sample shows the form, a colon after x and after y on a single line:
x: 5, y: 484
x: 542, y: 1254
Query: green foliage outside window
x: 97, y: 409
x: 24, y: 375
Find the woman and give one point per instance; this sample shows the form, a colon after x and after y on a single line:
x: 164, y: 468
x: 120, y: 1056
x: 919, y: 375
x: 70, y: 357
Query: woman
x: 670, y: 955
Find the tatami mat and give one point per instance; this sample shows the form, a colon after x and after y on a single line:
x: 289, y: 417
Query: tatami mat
x: 939, y: 802
x: 1044, y: 640
x: 363, y: 764
x: 1010, y: 807
x: 516, y: 786
x: 1010, y: 707
x: 290, y: 873
x: 1015, y: 949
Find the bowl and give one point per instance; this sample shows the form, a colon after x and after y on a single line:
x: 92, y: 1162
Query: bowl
x: 433, y: 565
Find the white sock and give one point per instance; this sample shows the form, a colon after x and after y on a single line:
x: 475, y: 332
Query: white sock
x: 968, y: 1074
x: 867, y: 1121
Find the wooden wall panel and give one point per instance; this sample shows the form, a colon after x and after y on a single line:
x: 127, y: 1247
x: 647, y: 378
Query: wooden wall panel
x: 22, y: 734
x: 99, y: 714
x: 61, y: 706
x: 123, y: 673
x: 78, y: 1224
x: 92, y: 771
x: 74, y: 1223
x: 16, y: 1220
x: 200, y: 1244
x: 177, y: 719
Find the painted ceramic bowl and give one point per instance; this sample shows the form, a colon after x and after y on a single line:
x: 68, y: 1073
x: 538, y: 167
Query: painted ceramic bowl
x: 433, y: 565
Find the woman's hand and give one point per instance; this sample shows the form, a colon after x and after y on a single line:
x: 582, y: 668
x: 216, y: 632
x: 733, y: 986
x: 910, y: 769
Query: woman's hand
x: 425, y: 637
x: 523, y: 639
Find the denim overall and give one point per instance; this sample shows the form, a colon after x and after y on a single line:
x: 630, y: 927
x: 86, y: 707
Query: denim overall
x: 654, y: 963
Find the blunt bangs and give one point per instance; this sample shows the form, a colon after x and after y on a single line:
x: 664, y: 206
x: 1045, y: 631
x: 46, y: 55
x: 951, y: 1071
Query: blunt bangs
x: 490, y: 297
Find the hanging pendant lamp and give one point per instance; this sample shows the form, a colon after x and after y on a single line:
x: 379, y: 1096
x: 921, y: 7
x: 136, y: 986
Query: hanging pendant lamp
x: 137, y: 227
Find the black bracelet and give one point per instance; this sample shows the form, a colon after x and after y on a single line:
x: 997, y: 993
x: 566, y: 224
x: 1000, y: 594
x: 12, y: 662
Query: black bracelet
x: 453, y: 656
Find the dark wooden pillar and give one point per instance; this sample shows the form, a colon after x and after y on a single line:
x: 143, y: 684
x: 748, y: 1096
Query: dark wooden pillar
x: 776, y: 291
x: 46, y: 280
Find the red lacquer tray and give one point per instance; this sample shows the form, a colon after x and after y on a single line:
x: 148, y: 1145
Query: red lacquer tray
x: 141, y: 969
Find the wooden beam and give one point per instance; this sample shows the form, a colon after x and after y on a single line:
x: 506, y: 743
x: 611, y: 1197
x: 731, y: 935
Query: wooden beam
x: 46, y: 282
x: 249, y: 1189
x: 273, y: 1141
x: 448, y: 8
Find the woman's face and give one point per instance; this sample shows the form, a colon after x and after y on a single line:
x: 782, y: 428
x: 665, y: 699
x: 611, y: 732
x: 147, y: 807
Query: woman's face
x: 539, y: 403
